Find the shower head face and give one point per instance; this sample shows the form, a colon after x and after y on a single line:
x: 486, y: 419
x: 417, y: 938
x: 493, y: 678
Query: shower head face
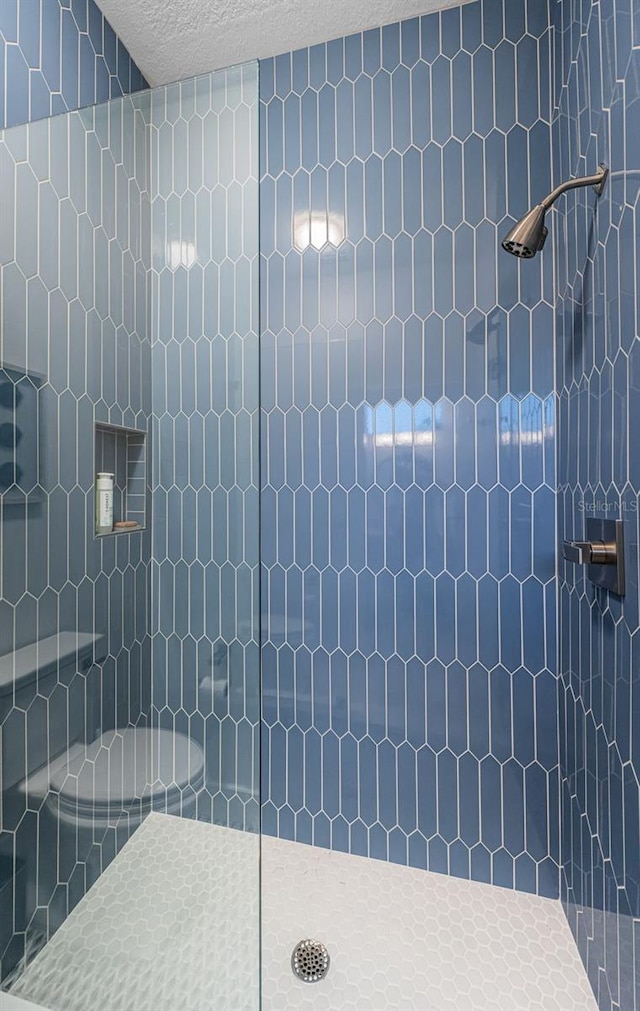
x: 527, y: 237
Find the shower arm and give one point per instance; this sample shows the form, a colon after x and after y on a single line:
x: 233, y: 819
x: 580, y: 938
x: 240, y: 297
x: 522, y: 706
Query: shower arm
x: 597, y: 181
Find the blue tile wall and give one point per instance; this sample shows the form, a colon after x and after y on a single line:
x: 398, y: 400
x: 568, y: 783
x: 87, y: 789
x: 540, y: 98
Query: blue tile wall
x: 204, y: 287
x: 408, y: 453
x: 596, y: 113
x: 74, y: 250
x: 59, y: 55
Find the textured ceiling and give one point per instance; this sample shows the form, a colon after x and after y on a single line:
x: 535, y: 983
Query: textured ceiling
x: 172, y: 39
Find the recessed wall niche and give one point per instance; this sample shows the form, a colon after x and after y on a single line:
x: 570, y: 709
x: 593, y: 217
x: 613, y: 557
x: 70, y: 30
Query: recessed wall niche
x: 123, y: 452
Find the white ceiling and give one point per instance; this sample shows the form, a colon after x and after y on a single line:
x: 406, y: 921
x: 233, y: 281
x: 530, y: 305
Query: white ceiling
x: 172, y: 39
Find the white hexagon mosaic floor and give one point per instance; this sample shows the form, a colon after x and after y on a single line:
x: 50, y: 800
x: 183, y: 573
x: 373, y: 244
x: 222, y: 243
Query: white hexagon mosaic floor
x: 401, y: 938
x: 172, y: 925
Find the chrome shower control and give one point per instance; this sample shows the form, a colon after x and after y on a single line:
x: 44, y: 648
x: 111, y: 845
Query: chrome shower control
x: 590, y: 552
x: 603, y: 553
x: 577, y: 551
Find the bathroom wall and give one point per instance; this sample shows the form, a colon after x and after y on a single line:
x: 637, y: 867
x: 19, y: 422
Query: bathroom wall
x: 596, y: 113
x: 56, y: 56
x: 74, y: 245
x: 408, y: 424
x: 204, y: 326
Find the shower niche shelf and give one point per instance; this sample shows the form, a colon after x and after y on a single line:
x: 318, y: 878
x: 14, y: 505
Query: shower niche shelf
x: 123, y: 452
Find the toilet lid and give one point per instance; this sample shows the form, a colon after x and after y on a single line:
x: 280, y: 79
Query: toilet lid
x: 128, y: 767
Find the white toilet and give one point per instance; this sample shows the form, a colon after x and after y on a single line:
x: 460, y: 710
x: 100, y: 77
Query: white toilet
x: 124, y: 772
x: 88, y: 788
x: 100, y: 793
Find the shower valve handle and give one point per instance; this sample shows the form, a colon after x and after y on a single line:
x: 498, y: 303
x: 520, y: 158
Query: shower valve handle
x: 602, y: 553
x: 590, y: 552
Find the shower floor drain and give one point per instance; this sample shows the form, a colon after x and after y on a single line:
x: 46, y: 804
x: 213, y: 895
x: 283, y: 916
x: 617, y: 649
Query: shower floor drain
x: 310, y: 961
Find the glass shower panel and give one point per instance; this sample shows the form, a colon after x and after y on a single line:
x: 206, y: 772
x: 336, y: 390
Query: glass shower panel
x: 74, y: 643
x: 129, y: 661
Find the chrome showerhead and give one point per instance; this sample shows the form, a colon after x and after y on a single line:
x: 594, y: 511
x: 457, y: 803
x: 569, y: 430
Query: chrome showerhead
x: 528, y: 237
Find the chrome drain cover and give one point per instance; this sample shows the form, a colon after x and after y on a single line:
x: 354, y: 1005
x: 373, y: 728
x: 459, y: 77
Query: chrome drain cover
x: 310, y: 961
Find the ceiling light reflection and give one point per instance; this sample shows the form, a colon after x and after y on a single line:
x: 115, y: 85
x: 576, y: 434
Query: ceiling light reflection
x: 317, y: 229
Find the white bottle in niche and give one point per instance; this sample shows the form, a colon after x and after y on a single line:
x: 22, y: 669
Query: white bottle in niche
x: 104, y: 503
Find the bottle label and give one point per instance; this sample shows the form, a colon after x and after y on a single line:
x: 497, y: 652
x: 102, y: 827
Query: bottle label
x: 105, y: 509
